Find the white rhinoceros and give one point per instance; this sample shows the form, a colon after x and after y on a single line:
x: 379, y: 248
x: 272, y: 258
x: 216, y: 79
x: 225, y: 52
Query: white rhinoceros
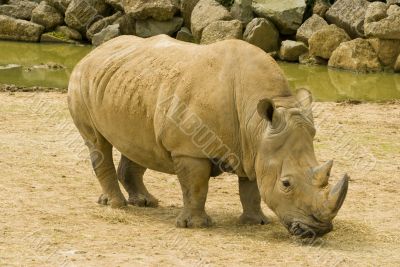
x: 196, y: 111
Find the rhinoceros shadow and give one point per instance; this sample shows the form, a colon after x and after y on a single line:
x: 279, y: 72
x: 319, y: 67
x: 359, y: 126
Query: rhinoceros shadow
x: 343, y: 238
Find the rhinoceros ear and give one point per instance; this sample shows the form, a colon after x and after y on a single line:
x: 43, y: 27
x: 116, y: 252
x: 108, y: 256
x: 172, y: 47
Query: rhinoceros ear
x: 304, y: 97
x: 266, y: 108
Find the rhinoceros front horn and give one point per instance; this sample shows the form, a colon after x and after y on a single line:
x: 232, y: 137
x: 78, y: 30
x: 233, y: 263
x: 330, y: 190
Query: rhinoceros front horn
x: 338, y: 194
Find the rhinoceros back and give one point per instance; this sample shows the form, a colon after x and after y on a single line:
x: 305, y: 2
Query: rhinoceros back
x: 126, y: 88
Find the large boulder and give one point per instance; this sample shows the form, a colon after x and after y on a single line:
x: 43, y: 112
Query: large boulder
x: 152, y: 27
x: 222, y: 30
x: 310, y: 26
x: 47, y: 16
x: 291, y: 50
x: 348, y: 15
x: 387, y: 50
x: 382, y: 22
x: 69, y: 33
x: 324, y: 41
x: 204, y: 13
x: 60, y: 5
x: 18, y: 9
x: 157, y: 9
x: 355, y: 55
x: 262, y: 33
x: 242, y: 11
x: 81, y: 14
x: 187, y: 7
x: 19, y: 30
x: 106, y: 34
x: 185, y: 35
x: 286, y: 15
x: 101, y: 24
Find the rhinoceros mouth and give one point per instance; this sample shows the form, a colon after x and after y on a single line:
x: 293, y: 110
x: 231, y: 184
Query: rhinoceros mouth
x: 305, y: 230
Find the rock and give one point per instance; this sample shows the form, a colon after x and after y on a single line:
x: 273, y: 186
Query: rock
x: 286, y: 15
x: 356, y: 55
x: 387, y: 50
x: 320, y: 7
x: 101, y: 24
x: 242, y: 11
x: 81, y: 14
x: 308, y: 59
x: 324, y: 41
x: 204, y: 13
x: 18, y: 9
x: 151, y: 27
x: 126, y: 25
x: 375, y: 11
x: 311, y: 25
x: 187, y: 7
x: 157, y: 9
x: 382, y: 22
x: 291, y: 50
x: 19, y: 30
x: 47, y: 16
x: 116, y: 4
x: 262, y: 33
x: 106, y: 34
x: 222, y: 30
x: 69, y: 33
x: 397, y: 65
x: 393, y: 2
x: 55, y: 37
x: 185, y: 35
x: 60, y: 5
x: 348, y: 15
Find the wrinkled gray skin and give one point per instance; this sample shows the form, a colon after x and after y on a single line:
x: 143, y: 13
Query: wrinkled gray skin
x: 196, y: 111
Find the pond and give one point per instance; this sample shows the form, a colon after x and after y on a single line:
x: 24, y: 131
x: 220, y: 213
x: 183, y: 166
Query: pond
x: 24, y: 64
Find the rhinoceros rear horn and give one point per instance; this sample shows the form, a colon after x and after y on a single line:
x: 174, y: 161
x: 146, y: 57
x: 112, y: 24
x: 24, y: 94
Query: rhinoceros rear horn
x: 338, y: 194
x: 321, y: 174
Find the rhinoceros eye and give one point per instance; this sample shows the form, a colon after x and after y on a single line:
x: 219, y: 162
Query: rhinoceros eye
x: 286, y: 183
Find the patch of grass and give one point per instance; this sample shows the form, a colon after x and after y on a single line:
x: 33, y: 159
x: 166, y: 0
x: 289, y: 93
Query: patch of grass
x: 59, y: 35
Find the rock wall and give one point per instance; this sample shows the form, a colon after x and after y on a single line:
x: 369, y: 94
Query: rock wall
x: 356, y: 35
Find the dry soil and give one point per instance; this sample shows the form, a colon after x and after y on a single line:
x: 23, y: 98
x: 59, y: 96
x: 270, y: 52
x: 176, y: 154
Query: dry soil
x: 49, y: 215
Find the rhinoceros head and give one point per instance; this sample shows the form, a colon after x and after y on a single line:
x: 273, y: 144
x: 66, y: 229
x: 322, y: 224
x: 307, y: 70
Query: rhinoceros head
x: 291, y: 182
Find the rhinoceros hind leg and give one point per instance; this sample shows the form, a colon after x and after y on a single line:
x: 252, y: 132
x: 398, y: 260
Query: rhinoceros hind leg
x: 193, y: 175
x: 130, y: 175
x: 103, y: 165
x: 251, y: 203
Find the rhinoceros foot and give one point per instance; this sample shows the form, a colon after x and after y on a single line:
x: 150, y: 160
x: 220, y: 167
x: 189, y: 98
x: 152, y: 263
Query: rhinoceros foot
x: 254, y: 218
x: 188, y: 220
x: 115, y: 204
x: 143, y: 200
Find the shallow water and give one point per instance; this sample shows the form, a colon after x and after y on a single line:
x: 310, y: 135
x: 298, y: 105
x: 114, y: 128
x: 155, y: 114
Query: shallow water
x: 22, y: 64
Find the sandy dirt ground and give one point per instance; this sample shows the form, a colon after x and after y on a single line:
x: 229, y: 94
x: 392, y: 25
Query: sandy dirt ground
x: 49, y: 215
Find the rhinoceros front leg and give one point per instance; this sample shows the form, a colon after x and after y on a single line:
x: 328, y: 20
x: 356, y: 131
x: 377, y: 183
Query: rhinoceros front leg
x: 130, y: 175
x: 251, y: 202
x: 103, y: 165
x: 193, y: 174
